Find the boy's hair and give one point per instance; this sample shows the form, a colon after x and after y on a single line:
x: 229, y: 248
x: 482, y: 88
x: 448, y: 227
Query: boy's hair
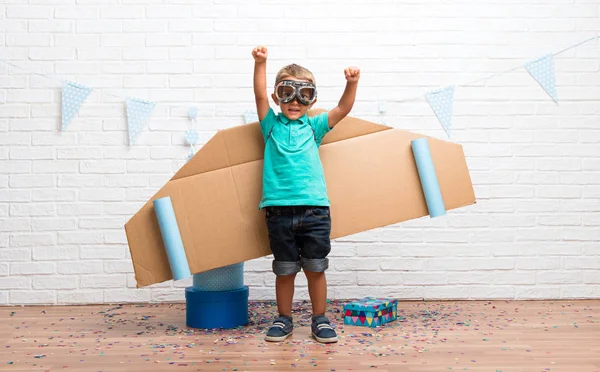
x: 296, y: 71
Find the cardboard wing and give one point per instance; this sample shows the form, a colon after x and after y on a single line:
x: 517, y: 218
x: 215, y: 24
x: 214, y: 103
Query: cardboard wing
x: 371, y: 177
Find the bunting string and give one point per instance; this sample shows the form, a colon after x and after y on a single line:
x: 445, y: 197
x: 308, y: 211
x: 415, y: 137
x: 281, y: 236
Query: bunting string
x: 441, y: 100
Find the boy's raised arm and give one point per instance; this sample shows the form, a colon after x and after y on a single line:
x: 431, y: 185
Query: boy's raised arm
x: 260, y: 81
x: 347, y: 101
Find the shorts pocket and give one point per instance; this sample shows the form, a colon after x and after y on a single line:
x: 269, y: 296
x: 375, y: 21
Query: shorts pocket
x: 320, y: 212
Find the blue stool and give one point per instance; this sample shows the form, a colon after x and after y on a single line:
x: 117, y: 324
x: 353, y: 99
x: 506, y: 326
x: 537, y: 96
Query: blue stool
x: 218, y: 298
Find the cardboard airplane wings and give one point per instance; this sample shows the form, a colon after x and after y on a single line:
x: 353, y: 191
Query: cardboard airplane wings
x: 371, y: 177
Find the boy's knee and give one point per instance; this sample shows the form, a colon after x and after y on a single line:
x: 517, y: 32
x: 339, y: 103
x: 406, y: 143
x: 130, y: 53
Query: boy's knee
x: 286, y: 267
x: 317, y: 265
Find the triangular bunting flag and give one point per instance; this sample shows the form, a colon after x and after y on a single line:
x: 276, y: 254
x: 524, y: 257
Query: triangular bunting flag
x: 138, y: 112
x: 542, y: 70
x: 192, y: 113
x: 442, y: 102
x: 250, y: 117
x: 73, y: 95
x: 191, y: 137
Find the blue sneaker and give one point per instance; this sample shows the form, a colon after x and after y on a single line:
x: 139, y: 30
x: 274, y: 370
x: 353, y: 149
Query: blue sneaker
x: 322, y: 331
x: 281, y: 329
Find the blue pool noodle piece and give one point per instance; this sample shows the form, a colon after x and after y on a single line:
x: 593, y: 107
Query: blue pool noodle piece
x: 429, y: 181
x: 226, y: 278
x: 171, y: 238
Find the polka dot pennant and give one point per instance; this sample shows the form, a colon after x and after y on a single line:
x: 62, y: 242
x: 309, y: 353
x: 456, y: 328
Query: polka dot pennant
x: 192, y: 113
x: 542, y: 70
x: 138, y: 112
x: 442, y: 102
x: 73, y: 95
x: 191, y: 137
x: 190, y: 155
x: 250, y: 117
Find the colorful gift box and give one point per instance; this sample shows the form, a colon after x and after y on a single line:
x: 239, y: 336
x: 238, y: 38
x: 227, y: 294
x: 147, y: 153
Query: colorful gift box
x: 370, y: 311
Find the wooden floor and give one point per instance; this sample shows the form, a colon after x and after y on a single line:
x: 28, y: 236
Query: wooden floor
x: 430, y: 336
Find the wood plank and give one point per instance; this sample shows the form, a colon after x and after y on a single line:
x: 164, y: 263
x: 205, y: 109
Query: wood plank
x: 429, y: 336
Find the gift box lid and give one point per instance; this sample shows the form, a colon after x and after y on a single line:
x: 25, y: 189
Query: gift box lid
x: 371, y: 304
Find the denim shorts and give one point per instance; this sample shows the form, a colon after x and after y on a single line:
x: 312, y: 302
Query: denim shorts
x: 299, y: 236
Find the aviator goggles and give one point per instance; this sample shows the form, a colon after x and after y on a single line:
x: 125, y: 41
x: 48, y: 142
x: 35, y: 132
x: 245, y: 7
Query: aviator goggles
x: 305, y: 92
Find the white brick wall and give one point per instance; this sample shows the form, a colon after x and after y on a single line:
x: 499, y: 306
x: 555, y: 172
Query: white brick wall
x: 535, y: 165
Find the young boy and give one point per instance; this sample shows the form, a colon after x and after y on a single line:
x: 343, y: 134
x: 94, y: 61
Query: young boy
x: 294, y: 191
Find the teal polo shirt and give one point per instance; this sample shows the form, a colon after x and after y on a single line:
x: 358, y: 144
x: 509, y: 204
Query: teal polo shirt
x: 292, y: 169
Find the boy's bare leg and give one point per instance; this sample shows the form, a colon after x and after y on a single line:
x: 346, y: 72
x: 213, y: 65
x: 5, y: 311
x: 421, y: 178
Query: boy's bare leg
x: 317, y: 290
x: 321, y: 329
x: 284, y: 291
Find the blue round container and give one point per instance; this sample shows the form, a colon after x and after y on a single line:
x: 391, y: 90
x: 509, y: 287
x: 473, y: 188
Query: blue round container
x: 216, y: 309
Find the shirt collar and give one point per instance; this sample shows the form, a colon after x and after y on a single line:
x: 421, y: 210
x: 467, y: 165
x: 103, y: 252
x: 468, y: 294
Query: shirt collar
x: 283, y: 119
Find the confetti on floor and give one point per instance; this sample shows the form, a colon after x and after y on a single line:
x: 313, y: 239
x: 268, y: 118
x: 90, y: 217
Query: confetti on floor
x: 471, y: 336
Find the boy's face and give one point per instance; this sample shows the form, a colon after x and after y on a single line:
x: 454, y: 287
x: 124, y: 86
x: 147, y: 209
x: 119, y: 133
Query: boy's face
x: 293, y: 110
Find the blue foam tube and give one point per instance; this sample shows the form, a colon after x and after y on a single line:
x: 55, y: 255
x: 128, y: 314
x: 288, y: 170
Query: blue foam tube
x: 171, y: 238
x: 429, y: 181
